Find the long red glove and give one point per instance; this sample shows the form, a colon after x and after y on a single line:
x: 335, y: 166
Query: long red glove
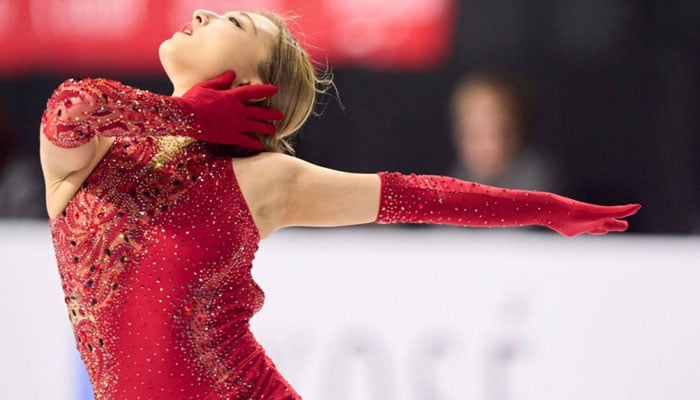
x: 209, y: 111
x: 442, y: 200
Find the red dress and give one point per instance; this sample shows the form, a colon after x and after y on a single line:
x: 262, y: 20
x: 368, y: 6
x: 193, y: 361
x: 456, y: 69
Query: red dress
x: 154, y: 253
x: 155, y: 248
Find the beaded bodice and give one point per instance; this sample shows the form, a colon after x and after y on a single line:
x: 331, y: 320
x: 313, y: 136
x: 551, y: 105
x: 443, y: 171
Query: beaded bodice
x: 154, y: 253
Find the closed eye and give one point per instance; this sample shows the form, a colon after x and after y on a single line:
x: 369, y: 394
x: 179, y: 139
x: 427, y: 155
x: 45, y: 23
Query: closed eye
x: 235, y: 21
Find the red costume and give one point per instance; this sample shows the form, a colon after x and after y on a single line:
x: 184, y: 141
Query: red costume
x: 155, y: 248
x: 154, y: 253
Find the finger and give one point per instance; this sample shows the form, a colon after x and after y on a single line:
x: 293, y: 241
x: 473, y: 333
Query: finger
x: 618, y: 211
x: 263, y: 113
x: 244, y: 140
x: 221, y: 82
x: 605, y: 228
x: 615, y: 225
x: 255, y: 92
x: 261, y: 127
x: 633, y: 209
x: 628, y: 210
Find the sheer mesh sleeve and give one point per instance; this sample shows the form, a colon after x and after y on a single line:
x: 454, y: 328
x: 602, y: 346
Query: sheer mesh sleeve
x: 80, y: 109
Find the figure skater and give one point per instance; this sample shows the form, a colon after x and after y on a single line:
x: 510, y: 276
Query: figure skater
x: 157, y: 203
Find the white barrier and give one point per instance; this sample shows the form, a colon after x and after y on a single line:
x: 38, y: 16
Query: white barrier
x: 421, y: 314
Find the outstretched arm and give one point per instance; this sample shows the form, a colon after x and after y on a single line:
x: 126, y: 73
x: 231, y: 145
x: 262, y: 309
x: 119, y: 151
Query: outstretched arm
x: 443, y: 200
x: 323, y: 197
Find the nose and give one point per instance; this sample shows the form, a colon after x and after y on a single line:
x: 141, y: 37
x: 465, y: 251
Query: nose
x: 202, y: 17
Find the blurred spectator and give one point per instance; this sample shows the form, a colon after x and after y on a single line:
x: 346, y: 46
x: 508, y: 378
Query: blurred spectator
x: 492, y: 116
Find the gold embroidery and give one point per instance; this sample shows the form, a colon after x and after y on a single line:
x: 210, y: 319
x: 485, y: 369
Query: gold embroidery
x: 168, y: 148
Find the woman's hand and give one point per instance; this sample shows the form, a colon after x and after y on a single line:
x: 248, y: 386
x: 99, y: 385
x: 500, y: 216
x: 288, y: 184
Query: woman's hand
x: 224, y: 115
x: 571, y: 218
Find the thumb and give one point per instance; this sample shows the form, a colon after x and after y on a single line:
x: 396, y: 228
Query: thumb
x: 619, y: 211
x: 221, y: 82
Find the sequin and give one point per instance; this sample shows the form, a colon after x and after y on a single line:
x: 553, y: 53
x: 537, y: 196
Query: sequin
x: 80, y: 109
x: 155, y: 261
x: 443, y: 200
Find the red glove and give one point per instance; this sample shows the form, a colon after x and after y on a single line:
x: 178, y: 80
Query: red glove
x: 79, y: 110
x: 224, y: 116
x: 442, y: 200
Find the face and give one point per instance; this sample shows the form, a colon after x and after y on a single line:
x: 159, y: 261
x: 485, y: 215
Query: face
x: 211, y: 44
x: 484, y: 134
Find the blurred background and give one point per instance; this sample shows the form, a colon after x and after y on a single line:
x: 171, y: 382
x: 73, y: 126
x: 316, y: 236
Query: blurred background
x: 608, y: 90
x: 596, y: 100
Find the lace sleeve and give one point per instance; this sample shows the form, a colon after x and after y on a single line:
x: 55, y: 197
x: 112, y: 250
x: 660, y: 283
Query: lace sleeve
x: 80, y: 109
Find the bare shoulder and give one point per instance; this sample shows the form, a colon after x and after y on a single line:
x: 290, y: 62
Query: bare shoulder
x: 265, y: 163
x: 268, y: 170
x: 264, y: 181
x: 286, y: 191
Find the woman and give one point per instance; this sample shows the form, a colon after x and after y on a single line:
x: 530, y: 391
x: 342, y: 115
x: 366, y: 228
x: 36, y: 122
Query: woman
x: 155, y: 223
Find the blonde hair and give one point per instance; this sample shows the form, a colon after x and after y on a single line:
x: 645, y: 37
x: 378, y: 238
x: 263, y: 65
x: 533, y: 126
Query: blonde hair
x: 290, y: 69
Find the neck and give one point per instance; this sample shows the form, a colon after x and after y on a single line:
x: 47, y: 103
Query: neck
x: 178, y: 91
x: 181, y: 87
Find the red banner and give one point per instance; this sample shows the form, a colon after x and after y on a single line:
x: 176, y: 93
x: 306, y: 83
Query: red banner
x: 80, y: 36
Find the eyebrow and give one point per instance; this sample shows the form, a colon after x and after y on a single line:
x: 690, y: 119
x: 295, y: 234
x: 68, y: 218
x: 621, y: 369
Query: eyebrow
x: 245, y: 14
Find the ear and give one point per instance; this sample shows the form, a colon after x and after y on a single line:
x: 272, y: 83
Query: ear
x: 250, y: 81
x: 254, y: 81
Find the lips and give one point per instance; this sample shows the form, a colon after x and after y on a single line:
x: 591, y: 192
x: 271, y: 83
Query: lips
x: 187, y: 29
